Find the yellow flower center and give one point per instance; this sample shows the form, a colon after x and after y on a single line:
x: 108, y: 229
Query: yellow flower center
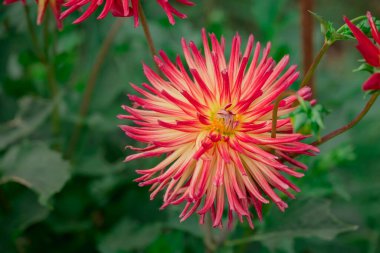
x: 224, y: 122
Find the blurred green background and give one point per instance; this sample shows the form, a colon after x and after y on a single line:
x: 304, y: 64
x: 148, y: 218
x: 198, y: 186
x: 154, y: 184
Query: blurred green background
x: 89, y: 202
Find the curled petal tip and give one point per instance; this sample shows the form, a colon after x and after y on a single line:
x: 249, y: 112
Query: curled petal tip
x: 214, y: 153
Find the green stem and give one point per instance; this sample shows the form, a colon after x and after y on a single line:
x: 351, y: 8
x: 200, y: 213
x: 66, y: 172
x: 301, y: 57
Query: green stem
x: 44, y: 58
x: 46, y: 34
x: 53, y: 87
x: 354, y: 20
x: 310, y: 72
x: 52, y: 77
x: 350, y: 125
x: 147, y: 32
x: 213, y: 242
x: 100, y: 58
x: 209, y: 240
x: 32, y: 32
x: 275, y: 109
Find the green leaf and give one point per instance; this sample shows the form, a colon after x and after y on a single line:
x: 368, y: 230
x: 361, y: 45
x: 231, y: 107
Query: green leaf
x: 303, y: 219
x: 307, y: 218
x: 299, y: 121
x: 282, y: 245
x: 327, y: 28
x: 365, y: 67
x: 308, y: 119
x: 129, y: 235
x: 24, y: 210
x: 32, y: 114
x: 20, y: 209
x: 343, y: 33
x: 37, y: 167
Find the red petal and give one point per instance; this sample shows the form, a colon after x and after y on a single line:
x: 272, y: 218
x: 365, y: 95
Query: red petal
x: 368, y: 50
x: 372, y: 83
x: 374, y: 31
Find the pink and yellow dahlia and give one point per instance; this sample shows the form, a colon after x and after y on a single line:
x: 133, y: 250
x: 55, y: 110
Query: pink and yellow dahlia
x: 369, y: 50
x: 55, y: 6
x: 120, y: 8
x: 214, y: 127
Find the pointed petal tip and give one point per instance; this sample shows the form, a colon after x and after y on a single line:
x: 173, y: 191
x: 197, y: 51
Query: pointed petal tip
x: 372, y: 83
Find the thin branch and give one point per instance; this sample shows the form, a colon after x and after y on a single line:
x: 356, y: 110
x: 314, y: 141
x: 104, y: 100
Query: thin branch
x: 100, y: 58
x: 310, y: 73
x: 51, y: 76
x: 49, y: 65
x: 275, y: 109
x: 350, y: 125
x: 32, y: 32
x: 327, y: 44
x: 208, y: 239
x: 147, y: 32
x: 354, y: 20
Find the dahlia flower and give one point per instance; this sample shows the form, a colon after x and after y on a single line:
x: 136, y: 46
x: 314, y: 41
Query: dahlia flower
x: 214, y: 128
x: 369, y: 50
x: 55, y: 6
x: 120, y: 8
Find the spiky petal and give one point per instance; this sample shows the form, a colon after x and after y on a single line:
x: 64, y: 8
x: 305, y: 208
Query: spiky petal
x: 212, y: 120
x: 120, y: 8
x: 368, y: 49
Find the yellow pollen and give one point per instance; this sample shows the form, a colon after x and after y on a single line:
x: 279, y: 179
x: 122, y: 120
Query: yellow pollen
x: 224, y: 122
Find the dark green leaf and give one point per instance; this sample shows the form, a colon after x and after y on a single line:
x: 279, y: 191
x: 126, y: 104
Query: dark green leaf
x: 31, y: 115
x: 37, y: 167
x: 129, y: 235
x: 303, y: 218
x: 20, y: 209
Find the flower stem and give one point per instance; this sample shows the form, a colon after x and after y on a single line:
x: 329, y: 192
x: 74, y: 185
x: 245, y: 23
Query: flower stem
x: 32, y: 32
x: 213, y: 242
x: 275, y: 109
x: 51, y: 77
x: 209, y: 240
x: 354, y: 20
x: 53, y: 86
x: 44, y: 58
x: 147, y: 32
x: 347, y: 127
x: 310, y: 72
x: 99, y: 60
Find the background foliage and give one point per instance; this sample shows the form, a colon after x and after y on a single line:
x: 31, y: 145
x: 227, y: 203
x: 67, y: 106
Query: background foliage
x: 89, y: 203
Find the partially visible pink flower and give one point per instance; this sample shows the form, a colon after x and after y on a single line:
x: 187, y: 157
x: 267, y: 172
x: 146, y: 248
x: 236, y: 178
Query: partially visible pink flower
x: 120, y: 8
x: 214, y: 128
x: 55, y: 6
x: 369, y: 50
